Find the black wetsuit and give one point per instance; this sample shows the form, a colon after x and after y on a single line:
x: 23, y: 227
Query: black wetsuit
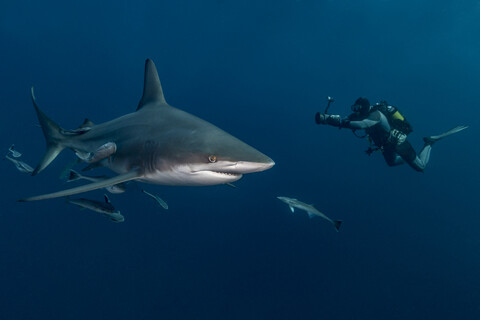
x: 379, y: 130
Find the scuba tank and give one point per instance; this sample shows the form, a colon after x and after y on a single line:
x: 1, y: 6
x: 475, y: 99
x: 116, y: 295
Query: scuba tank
x: 395, y: 118
x: 397, y: 122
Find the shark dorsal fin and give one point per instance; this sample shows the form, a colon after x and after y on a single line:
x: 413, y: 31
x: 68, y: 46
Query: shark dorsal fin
x: 152, y: 89
x: 107, y: 199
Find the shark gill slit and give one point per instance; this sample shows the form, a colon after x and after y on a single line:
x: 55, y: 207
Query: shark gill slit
x: 149, y: 155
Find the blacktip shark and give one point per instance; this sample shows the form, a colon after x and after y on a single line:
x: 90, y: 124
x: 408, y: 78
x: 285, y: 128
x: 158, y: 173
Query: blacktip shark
x: 106, y: 208
x: 310, y: 209
x: 157, y: 144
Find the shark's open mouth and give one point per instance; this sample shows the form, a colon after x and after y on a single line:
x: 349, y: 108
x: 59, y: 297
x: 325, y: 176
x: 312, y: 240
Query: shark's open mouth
x: 211, y: 177
x: 228, y: 173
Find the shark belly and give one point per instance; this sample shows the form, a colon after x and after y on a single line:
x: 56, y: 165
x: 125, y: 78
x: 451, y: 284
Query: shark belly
x: 182, y: 177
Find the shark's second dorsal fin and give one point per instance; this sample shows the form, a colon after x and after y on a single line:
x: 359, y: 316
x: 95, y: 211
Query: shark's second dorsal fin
x: 152, y: 89
x: 87, y: 123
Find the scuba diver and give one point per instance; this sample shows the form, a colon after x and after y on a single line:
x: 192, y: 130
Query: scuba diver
x: 387, y: 130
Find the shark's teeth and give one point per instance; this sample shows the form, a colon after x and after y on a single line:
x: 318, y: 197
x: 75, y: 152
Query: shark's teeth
x: 228, y: 173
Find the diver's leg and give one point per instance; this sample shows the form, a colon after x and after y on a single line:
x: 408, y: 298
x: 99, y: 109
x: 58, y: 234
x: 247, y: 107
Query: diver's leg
x: 421, y: 161
x: 418, y: 163
x: 424, y: 154
x: 391, y: 156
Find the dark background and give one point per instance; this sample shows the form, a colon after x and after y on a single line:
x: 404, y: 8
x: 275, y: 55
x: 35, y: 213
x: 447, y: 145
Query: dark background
x: 409, y: 247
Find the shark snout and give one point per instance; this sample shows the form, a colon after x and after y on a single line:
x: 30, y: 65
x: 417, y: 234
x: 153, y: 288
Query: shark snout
x: 249, y: 166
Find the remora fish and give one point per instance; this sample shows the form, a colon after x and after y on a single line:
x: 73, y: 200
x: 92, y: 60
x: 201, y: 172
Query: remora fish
x: 311, y: 210
x: 157, y: 144
x: 21, y: 166
x: 106, y: 208
x: 14, y: 152
x: 116, y: 188
x: 157, y: 198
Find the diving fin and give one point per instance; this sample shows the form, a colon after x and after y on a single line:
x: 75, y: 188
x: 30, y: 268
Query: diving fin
x: 432, y: 139
x: 132, y: 175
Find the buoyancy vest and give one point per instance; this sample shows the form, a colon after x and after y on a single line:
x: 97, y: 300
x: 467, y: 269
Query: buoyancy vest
x: 395, y: 118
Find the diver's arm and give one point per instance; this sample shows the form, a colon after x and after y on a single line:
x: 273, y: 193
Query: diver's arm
x: 363, y: 124
x: 373, y: 119
x: 336, y: 121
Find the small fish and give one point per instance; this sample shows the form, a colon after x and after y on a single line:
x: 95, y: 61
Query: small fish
x: 14, y: 152
x: 102, y: 152
x: 116, y: 188
x: 21, y: 166
x: 106, y: 208
x: 157, y: 198
x: 311, y: 210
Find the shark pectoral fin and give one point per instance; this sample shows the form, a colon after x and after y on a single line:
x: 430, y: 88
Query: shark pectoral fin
x: 292, y: 208
x: 132, y: 175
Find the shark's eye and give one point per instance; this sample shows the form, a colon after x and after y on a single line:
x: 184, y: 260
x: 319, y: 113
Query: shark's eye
x: 212, y: 158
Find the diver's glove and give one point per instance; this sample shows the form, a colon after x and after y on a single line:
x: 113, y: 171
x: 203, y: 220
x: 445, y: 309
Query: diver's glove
x: 329, y: 119
x: 397, y: 137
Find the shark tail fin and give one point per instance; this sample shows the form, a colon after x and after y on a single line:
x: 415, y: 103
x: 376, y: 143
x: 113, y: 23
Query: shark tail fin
x: 337, y: 224
x: 53, y: 136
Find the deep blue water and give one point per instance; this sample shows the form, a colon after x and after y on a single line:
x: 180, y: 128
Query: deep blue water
x: 409, y: 247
